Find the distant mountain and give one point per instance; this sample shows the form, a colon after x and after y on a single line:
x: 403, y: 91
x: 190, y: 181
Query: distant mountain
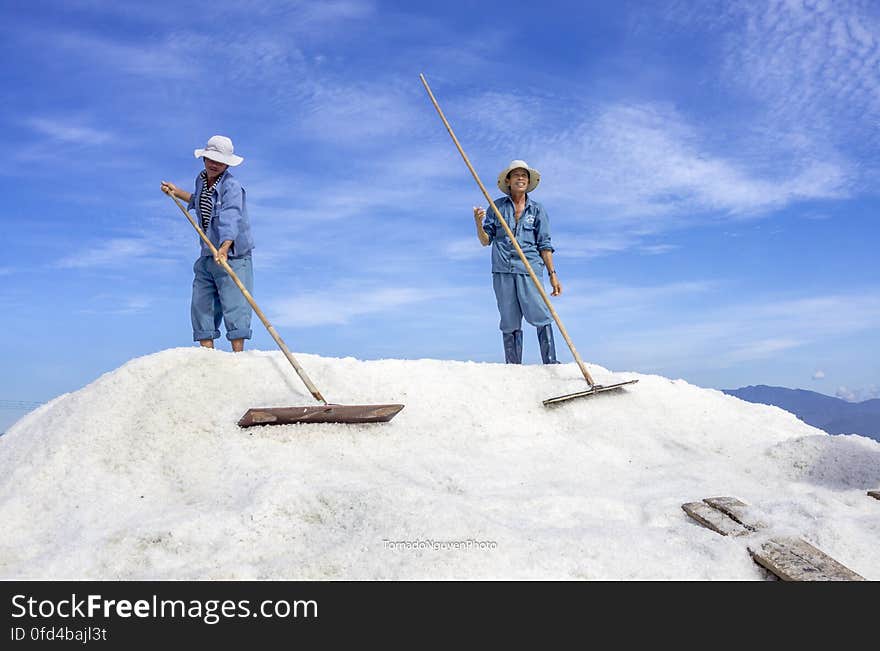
x: 833, y: 415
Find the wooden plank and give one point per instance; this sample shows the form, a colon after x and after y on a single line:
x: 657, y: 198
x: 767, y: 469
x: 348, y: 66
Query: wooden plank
x: 874, y: 494
x: 319, y: 414
x: 737, y: 510
x: 714, y: 519
x: 793, y: 559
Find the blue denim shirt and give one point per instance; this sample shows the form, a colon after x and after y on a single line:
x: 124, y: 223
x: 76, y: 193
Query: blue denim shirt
x: 532, y: 233
x: 229, y: 220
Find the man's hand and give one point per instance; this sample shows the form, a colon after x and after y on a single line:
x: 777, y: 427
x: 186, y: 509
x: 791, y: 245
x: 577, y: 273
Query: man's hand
x: 479, y: 213
x: 223, y: 252
x: 556, y: 285
x: 169, y: 188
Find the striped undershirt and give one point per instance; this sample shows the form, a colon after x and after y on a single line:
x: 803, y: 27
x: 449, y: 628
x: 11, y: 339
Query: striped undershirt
x: 206, y: 200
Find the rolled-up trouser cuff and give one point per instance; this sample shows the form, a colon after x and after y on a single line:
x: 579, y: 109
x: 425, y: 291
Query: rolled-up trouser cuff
x: 216, y: 298
x: 239, y: 334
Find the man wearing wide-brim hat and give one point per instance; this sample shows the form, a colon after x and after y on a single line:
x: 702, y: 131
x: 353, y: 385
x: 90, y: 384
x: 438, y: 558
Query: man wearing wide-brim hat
x: 516, y: 294
x: 222, y: 207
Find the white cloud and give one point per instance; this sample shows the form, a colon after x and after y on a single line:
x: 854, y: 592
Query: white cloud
x: 593, y: 245
x: 621, y: 299
x: 465, y: 249
x: 858, y: 394
x: 808, y: 69
x: 289, y: 13
x: 114, y: 252
x: 800, y: 78
x: 118, y: 305
x: 819, y: 375
x: 622, y: 172
x: 111, y: 252
x: 494, y: 116
x: 729, y: 334
x: 759, y: 349
x: 174, y: 56
x: 810, y: 60
x: 310, y: 15
x: 631, y: 169
x: 644, y: 163
x: 337, y: 306
x: 348, y: 113
x: 658, y: 249
x: 70, y: 132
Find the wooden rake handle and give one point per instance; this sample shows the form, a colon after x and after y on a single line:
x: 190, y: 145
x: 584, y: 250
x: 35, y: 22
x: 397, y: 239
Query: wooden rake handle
x: 522, y: 256
x: 250, y: 299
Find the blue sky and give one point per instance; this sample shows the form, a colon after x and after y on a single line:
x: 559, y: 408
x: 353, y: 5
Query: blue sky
x: 710, y: 170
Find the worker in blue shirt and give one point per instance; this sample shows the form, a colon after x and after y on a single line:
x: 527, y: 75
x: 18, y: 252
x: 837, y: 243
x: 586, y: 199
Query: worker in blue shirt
x: 221, y: 205
x: 515, y: 292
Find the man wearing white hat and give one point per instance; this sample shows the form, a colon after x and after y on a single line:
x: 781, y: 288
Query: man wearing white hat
x: 515, y: 293
x: 222, y: 208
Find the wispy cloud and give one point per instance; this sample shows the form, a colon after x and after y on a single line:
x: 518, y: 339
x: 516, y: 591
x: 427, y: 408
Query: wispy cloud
x: 300, y: 11
x: 626, y: 170
x: 724, y: 335
x: 493, y: 117
x: 759, y: 349
x: 858, y: 394
x: 312, y: 15
x: 364, y: 193
x: 576, y: 245
x: 340, y: 305
x: 464, y: 249
x: 114, y: 252
x: 57, y: 139
x: 172, y: 56
x: 70, y: 132
x: 108, y: 253
x: 658, y: 249
x: 622, y: 300
x: 813, y: 63
x: 801, y: 74
x: 646, y: 163
x: 118, y: 305
x: 348, y: 112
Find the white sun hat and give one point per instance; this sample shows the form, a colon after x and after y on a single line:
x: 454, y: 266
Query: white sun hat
x: 534, y: 176
x: 219, y: 148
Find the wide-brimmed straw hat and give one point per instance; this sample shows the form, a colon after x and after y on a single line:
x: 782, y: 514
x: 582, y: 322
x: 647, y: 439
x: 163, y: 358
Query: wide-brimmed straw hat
x: 534, y: 176
x: 219, y: 148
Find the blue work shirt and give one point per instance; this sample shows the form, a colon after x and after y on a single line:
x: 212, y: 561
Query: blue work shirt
x: 532, y: 232
x: 229, y: 219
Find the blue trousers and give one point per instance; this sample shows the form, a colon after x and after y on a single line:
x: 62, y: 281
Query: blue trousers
x: 215, y: 296
x: 518, y: 297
